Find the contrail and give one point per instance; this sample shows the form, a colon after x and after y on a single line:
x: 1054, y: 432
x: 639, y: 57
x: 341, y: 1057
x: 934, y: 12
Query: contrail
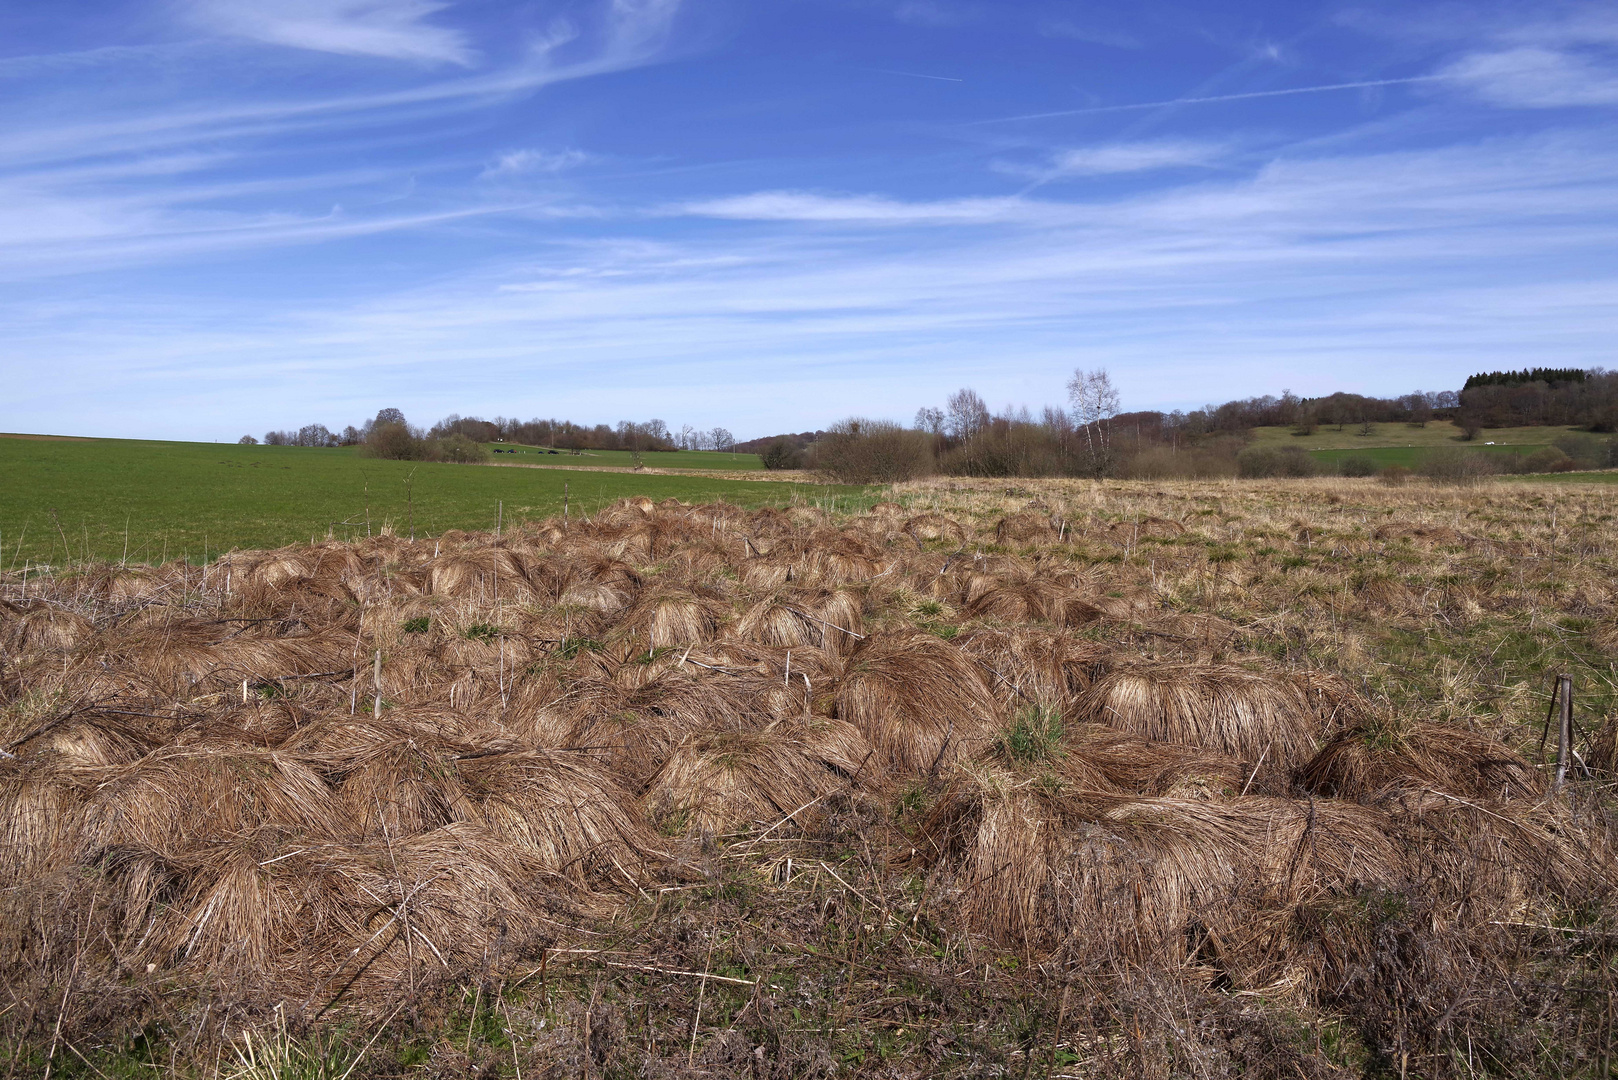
x: 914, y: 75
x: 1218, y: 97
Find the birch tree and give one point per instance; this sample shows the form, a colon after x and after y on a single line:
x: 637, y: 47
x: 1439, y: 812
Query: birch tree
x: 1095, y: 403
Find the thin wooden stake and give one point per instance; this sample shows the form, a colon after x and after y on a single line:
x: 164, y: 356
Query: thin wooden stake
x: 376, y: 685
x: 1564, y: 730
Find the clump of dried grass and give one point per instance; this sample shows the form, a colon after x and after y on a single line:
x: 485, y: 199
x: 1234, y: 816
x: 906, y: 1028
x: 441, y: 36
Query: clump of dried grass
x: 41, y: 813
x: 1152, y: 881
x: 935, y: 527
x: 664, y: 619
x: 1023, y: 527
x: 1229, y: 709
x: 1033, y: 665
x: 175, y: 797
x: 729, y: 780
x: 85, y: 740
x: 45, y: 628
x: 1366, y: 761
x: 489, y: 573
x: 918, y: 701
x: 633, y: 730
x: 566, y: 811
x: 1033, y: 600
x: 795, y: 619
x: 398, y: 786
x: 1162, y: 770
x: 1148, y: 526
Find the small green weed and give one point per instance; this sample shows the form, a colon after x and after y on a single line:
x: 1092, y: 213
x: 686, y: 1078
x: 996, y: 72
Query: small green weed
x: 482, y: 632
x: 419, y: 625
x: 1035, y: 734
x: 571, y: 647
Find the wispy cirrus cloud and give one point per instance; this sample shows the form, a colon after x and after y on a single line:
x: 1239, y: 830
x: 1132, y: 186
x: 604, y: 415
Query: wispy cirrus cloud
x: 1090, y: 34
x: 1549, y: 56
x: 935, y: 13
x: 1348, y: 270
x: 526, y: 162
x: 808, y: 206
x: 1535, y: 77
x: 391, y: 29
x: 1111, y: 159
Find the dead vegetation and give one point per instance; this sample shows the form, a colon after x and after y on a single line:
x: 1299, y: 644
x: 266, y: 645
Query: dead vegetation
x: 1093, y: 785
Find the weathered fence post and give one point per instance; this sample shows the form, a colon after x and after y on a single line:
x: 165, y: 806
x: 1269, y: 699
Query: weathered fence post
x: 1564, y: 729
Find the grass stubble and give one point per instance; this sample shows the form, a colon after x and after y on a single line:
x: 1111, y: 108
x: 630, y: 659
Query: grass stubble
x: 1045, y: 779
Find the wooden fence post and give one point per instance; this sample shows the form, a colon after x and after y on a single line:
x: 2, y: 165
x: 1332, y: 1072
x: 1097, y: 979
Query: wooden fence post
x: 1564, y: 729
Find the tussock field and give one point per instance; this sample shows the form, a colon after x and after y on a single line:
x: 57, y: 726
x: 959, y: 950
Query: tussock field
x: 1053, y: 779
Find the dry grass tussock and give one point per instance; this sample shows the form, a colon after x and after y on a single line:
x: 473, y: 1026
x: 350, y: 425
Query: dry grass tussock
x: 1048, y: 751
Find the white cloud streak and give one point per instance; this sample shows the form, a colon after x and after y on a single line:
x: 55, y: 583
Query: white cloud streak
x: 1533, y: 77
x: 1112, y: 159
x: 391, y: 29
x: 523, y: 162
x: 806, y: 206
x: 1209, y: 99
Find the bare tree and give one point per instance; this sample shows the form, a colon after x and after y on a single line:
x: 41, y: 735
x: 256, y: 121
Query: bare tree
x: 930, y: 420
x: 967, y: 415
x: 1420, y: 407
x: 722, y: 439
x: 1095, y: 403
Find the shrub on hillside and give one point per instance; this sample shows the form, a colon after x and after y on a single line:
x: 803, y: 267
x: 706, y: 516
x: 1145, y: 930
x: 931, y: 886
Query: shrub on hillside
x: 1548, y: 459
x: 1268, y: 461
x: 394, y: 441
x: 781, y: 454
x: 457, y: 448
x: 858, y: 451
x: 1357, y: 465
x: 1587, y: 451
x: 1451, y: 465
x: 1394, y: 475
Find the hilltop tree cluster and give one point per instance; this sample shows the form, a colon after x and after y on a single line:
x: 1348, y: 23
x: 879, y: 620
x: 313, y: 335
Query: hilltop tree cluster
x: 461, y: 438
x: 1575, y: 398
x: 1089, y: 435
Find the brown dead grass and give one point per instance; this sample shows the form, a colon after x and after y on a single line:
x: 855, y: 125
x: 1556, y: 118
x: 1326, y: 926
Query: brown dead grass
x: 1142, y: 733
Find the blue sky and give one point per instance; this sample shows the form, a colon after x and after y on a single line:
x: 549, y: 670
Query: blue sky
x: 224, y: 216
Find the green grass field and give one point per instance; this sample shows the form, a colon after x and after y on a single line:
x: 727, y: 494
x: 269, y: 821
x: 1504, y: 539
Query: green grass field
x: 99, y: 498
x: 1437, y: 433
x: 709, y: 460
x: 1411, y: 456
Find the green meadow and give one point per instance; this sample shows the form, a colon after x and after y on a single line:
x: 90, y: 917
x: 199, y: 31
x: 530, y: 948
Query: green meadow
x: 708, y: 460
x: 1436, y: 433
x: 1411, y: 456
x: 67, y: 500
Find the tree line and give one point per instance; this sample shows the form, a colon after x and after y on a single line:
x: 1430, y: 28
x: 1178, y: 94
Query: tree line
x: 1090, y: 436
x: 462, y: 438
